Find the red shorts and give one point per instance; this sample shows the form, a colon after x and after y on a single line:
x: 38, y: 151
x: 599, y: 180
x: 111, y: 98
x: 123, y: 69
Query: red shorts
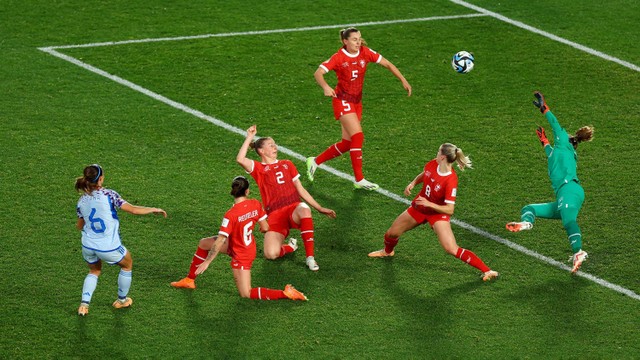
x: 281, y: 220
x: 245, y: 260
x: 241, y: 264
x: 423, y: 218
x: 342, y: 107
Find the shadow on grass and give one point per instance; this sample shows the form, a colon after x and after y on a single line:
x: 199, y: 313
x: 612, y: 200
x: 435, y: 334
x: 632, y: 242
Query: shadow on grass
x: 434, y: 315
x: 559, y: 302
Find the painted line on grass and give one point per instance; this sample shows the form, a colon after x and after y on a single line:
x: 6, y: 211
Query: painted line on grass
x: 350, y: 178
x: 264, y: 32
x: 551, y: 36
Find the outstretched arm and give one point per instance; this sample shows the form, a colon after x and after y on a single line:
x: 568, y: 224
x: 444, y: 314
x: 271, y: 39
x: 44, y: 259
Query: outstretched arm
x: 541, y: 104
x: 142, y: 210
x: 394, y: 70
x: 543, y: 140
x: 241, y: 158
x: 304, y: 194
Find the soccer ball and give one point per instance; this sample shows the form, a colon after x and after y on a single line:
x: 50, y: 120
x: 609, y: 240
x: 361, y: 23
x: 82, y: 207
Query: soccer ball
x: 462, y: 62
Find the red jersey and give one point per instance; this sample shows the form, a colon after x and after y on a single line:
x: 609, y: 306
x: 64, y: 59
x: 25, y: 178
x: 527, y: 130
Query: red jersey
x: 276, y: 183
x: 439, y: 188
x: 237, y: 225
x: 350, y: 70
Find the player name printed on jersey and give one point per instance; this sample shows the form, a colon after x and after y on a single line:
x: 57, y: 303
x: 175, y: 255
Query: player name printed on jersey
x: 244, y: 217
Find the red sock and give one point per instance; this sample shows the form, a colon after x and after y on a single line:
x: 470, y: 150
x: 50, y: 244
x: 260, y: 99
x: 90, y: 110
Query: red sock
x: 471, y: 259
x: 333, y: 151
x: 306, y: 231
x: 198, y: 258
x: 285, y: 249
x: 357, y: 140
x: 267, y: 294
x: 390, y: 243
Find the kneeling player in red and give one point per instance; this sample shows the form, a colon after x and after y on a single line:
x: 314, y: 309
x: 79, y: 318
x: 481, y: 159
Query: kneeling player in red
x: 281, y: 192
x: 236, y: 239
x: 434, y: 205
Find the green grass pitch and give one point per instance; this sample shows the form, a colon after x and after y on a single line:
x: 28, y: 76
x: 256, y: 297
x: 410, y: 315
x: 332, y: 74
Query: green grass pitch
x: 56, y: 117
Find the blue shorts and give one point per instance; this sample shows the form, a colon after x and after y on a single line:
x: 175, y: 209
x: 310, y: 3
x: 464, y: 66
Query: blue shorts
x: 111, y: 257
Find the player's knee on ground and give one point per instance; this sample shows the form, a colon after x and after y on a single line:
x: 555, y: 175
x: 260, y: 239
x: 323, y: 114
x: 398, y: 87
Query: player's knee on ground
x: 451, y: 250
x: 244, y: 293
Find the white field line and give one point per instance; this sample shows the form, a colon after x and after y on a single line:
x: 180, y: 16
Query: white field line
x: 264, y: 32
x: 553, y: 37
x: 350, y: 178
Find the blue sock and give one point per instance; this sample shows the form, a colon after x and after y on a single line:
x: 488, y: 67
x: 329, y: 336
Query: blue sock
x: 89, y: 286
x: 124, y: 283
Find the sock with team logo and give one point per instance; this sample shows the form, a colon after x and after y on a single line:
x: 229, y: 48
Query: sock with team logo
x: 357, y: 140
x: 267, y: 294
x: 89, y: 286
x: 306, y: 231
x: 333, y: 151
x: 124, y: 283
x: 471, y: 259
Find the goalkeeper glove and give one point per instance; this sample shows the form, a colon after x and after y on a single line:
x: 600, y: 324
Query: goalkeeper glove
x: 539, y: 102
x: 542, y: 136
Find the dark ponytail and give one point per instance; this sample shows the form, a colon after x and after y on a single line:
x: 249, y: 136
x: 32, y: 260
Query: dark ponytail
x: 239, y: 186
x: 89, y: 180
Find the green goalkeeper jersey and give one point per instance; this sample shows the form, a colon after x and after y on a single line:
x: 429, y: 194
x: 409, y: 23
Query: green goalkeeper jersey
x: 561, y: 157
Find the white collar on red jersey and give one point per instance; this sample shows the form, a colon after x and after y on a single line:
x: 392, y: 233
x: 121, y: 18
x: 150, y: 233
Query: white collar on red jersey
x: 350, y: 54
x: 442, y: 174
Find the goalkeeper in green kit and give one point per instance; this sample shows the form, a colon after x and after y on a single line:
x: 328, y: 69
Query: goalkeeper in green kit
x: 562, y: 164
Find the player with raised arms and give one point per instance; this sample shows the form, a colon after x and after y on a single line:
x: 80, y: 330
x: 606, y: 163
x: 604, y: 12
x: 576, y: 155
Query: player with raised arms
x: 236, y: 239
x: 562, y: 163
x: 281, y: 191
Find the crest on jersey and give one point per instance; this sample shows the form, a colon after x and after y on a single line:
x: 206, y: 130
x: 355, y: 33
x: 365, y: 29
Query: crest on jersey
x: 438, y: 187
x: 345, y: 64
x: 267, y: 168
x: 362, y: 63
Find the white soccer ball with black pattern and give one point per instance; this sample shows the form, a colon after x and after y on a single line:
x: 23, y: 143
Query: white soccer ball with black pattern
x: 462, y: 62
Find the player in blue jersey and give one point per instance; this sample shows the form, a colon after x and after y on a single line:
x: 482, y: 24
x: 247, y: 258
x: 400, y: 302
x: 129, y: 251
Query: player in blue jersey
x: 98, y: 221
x: 562, y: 165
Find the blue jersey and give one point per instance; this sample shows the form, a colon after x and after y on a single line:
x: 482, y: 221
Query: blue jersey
x: 101, y: 231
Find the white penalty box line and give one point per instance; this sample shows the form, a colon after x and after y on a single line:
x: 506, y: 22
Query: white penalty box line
x: 52, y: 50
